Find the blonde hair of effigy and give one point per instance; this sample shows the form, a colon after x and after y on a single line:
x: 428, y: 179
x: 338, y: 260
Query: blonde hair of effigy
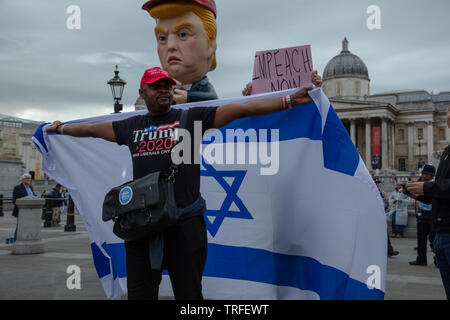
x: 172, y: 10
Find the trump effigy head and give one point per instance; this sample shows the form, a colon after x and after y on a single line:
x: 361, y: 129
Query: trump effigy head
x: 186, y: 33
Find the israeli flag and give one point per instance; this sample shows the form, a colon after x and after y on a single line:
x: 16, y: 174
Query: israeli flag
x: 302, y: 221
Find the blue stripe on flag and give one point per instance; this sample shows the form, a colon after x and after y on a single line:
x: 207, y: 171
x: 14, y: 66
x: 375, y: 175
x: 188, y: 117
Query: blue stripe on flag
x: 118, y: 255
x: 258, y: 265
x: 39, y: 136
x: 299, y: 272
x: 300, y: 122
x: 102, y: 263
x: 339, y: 152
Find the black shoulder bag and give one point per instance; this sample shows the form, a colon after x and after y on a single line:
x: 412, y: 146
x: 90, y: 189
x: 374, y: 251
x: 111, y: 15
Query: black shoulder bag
x: 144, y: 206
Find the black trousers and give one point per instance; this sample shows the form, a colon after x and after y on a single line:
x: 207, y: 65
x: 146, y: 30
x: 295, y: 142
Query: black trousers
x: 389, y: 246
x: 424, y: 232
x: 185, y: 249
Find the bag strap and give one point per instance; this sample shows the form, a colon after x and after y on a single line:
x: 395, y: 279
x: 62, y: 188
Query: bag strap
x: 183, y: 118
x: 183, y: 125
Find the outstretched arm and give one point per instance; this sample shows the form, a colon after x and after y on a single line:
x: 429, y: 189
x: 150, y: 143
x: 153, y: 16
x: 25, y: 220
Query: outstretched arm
x: 102, y: 130
x: 230, y: 112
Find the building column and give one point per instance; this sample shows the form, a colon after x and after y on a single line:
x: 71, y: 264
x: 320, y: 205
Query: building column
x: 430, y: 140
x: 393, y: 145
x: 410, y: 166
x: 447, y: 134
x: 368, y: 145
x: 384, y: 144
x: 353, y: 130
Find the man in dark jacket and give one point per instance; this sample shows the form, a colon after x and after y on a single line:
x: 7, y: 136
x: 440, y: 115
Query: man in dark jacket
x: 391, y: 252
x: 424, y: 223
x: 56, y: 204
x: 21, y: 190
x: 437, y: 193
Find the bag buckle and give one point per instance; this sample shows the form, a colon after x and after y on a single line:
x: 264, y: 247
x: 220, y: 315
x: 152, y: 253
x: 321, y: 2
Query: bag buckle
x: 171, y: 177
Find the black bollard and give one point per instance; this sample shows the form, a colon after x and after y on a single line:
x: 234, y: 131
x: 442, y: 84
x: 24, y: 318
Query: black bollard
x: 70, y: 222
x: 1, y: 205
x: 47, y: 214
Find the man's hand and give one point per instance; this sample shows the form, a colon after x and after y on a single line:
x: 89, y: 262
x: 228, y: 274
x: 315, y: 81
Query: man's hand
x: 416, y: 188
x: 180, y: 96
x: 179, y: 93
x: 53, y: 126
x: 247, y: 90
x: 316, y: 79
x: 301, y: 97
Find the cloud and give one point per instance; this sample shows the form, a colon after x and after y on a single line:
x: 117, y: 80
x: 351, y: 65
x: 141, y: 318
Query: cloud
x: 99, y: 58
x: 49, y: 70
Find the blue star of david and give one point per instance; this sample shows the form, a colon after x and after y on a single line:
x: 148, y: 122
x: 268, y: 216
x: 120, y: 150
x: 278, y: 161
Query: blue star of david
x: 232, y: 197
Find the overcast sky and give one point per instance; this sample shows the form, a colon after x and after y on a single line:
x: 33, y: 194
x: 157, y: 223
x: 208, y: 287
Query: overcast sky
x: 49, y: 72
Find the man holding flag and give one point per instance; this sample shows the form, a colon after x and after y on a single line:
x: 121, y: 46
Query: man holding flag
x: 267, y: 236
x: 185, y: 243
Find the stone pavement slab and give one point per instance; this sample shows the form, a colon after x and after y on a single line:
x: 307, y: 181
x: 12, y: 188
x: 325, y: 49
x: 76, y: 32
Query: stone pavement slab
x: 406, y: 282
x: 43, y: 276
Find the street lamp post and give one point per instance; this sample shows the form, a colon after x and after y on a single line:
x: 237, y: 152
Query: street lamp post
x: 117, y: 84
x: 420, y: 137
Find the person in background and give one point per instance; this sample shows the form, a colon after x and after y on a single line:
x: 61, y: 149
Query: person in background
x: 437, y: 193
x: 391, y: 252
x: 424, y: 228
x: 21, y: 190
x: 64, y: 195
x: 55, y: 204
x: 399, y: 210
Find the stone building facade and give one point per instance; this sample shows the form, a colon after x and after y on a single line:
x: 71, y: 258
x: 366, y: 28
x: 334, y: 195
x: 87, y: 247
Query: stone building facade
x: 18, y: 154
x: 396, y: 131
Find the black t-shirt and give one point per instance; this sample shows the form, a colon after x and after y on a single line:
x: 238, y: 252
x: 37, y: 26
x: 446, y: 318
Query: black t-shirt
x: 150, y: 140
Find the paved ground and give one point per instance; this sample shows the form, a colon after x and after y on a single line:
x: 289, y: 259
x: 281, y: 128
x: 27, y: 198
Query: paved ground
x: 406, y: 282
x: 44, y: 276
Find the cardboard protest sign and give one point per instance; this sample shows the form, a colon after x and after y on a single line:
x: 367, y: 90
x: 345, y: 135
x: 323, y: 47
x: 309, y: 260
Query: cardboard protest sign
x: 281, y: 69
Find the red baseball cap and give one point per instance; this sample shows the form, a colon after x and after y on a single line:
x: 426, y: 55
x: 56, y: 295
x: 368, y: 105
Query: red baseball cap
x: 154, y: 74
x: 207, y: 4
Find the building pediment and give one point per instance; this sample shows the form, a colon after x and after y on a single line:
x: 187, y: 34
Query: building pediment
x: 350, y: 109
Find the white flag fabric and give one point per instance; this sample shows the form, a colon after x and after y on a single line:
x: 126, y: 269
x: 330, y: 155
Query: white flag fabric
x: 303, y: 220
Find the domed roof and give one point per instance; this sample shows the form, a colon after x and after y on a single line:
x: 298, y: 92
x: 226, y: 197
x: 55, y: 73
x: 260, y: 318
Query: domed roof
x: 140, y: 102
x: 345, y: 64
